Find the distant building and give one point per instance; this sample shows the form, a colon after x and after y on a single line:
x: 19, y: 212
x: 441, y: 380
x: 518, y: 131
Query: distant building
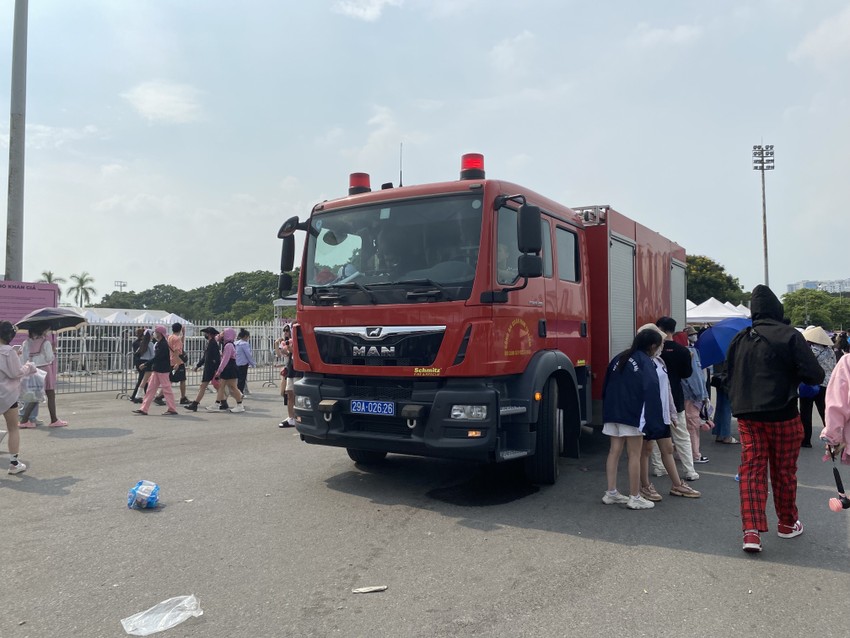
x: 833, y: 286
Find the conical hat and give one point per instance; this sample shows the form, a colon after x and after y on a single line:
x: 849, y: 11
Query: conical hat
x: 817, y: 335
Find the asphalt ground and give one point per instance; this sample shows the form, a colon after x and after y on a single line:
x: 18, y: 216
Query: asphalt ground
x: 272, y: 534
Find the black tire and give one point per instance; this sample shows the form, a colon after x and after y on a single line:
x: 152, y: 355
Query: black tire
x: 542, y: 468
x: 365, y: 457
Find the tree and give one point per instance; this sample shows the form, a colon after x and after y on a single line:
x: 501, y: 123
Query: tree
x: 807, y: 307
x: 82, y: 290
x: 48, y: 277
x: 839, y: 308
x: 707, y: 278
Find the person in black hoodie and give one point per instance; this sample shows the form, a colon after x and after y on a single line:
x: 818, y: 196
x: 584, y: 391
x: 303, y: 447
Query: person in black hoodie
x: 209, y: 361
x: 765, y: 364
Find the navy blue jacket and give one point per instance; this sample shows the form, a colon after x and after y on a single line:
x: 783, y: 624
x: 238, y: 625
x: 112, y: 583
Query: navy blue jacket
x: 633, y: 390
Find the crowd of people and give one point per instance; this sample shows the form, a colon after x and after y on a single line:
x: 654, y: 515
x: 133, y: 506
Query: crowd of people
x: 656, y: 403
x: 160, y: 359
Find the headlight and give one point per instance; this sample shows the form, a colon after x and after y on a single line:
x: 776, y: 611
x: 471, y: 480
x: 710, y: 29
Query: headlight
x: 469, y: 412
x: 303, y: 402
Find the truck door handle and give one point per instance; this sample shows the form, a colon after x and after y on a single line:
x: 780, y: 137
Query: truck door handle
x: 541, y: 327
x: 583, y: 329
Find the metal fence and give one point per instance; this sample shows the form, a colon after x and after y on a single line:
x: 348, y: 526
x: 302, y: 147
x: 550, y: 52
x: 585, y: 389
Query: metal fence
x: 99, y: 358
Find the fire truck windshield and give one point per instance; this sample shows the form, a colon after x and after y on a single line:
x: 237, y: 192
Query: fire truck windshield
x: 394, y: 252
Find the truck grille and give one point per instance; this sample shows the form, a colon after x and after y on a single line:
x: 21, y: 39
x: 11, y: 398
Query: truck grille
x: 395, y: 350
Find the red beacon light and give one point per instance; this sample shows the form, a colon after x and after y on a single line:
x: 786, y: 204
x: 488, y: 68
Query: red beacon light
x: 472, y: 166
x: 359, y: 183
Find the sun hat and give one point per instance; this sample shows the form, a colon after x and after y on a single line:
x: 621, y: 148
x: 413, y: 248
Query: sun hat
x: 161, y: 330
x: 652, y: 326
x: 210, y: 331
x: 690, y: 330
x: 816, y: 334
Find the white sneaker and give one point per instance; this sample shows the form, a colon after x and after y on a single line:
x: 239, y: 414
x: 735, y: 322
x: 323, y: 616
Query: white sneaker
x: 639, y: 503
x: 691, y: 477
x: 616, y: 497
x: 17, y: 469
x: 238, y: 408
x: 213, y: 407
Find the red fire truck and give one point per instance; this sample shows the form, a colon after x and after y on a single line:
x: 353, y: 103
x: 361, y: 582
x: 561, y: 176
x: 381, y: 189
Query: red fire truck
x: 471, y: 319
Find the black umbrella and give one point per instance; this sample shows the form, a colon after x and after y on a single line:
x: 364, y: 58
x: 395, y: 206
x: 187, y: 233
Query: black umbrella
x: 52, y: 318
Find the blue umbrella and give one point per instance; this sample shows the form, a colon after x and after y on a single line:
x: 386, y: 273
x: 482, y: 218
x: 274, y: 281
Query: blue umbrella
x: 713, y: 343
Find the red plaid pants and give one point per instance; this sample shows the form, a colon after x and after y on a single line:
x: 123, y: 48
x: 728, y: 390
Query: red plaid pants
x: 775, y: 445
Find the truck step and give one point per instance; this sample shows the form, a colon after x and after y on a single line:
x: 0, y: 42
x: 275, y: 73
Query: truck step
x: 507, y: 455
x: 512, y: 409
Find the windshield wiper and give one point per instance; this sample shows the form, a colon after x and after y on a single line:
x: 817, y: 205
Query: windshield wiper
x: 356, y: 285
x: 415, y: 294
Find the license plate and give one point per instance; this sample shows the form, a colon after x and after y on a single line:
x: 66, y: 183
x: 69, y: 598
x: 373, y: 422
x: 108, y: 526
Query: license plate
x: 386, y: 408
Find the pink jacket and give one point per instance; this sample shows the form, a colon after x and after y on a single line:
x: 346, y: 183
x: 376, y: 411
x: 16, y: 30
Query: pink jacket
x: 838, y: 407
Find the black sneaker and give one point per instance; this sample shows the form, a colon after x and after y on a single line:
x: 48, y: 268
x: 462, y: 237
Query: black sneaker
x: 193, y: 406
x: 183, y: 400
x: 159, y: 401
x: 223, y: 405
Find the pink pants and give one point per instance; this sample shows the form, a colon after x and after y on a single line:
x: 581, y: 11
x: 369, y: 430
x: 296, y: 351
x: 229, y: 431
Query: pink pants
x: 159, y: 379
x: 692, y: 417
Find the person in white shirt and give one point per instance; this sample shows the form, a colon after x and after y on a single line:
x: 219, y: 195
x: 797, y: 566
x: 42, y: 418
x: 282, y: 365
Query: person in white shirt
x: 11, y: 373
x: 39, y: 349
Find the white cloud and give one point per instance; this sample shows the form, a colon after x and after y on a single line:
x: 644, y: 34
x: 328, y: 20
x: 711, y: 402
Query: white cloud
x: 647, y: 36
x: 511, y: 55
x: 827, y: 43
x: 112, y: 169
x: 330, y: 137
x: 41, y: 136
x: 366, y: 10
x: 158, y: 101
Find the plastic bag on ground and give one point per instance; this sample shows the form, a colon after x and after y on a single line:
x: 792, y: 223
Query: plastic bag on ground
x: 143, y: 495
x: 165, y: 615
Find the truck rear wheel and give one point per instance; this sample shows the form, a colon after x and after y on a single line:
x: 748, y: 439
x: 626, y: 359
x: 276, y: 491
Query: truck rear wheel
x: 365, y: 457
x: 543, y: 466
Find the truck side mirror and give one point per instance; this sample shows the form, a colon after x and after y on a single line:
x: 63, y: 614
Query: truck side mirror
x: 284, y: 284
x: 530, y: 266
x: 287, y: 254
x: 529, y: 235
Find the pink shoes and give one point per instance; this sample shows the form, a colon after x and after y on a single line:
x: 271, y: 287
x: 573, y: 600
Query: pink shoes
x: 58, y: 423
x: 26, y: 424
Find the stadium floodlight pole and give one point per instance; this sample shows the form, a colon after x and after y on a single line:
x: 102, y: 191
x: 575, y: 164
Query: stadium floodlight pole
x: 120, y: 285
x: 17, y: 124
x: 763, y: 161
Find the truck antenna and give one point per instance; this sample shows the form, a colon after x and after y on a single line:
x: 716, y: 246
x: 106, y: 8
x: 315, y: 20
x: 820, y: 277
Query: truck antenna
x: 400, y: 149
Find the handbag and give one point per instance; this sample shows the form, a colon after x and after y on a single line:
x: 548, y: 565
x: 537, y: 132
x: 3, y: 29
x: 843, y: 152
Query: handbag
x: 183, y: 357
x: 32, y: 387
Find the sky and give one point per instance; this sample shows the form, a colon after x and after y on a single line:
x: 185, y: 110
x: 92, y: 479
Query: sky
x: 167, y: 141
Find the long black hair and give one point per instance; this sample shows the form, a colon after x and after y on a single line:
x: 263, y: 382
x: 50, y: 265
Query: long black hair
x: 143, y: 344
x: 645, y: 341
x: 7, y: 331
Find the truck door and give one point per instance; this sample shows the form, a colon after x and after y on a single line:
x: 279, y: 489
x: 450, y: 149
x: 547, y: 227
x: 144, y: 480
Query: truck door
x: 621, y: 294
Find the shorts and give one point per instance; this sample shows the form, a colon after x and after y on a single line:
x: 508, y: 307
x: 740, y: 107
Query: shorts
x: 620, y: 429
x: 231, y: 371
x: 661, y: 434
x: 179, y: 376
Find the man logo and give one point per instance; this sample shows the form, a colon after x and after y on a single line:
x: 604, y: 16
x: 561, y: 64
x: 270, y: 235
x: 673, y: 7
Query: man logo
x: 374, y: 333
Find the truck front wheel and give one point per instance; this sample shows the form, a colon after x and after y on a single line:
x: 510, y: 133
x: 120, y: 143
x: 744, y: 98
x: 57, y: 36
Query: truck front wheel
x: 365, y: 457
x: 543, y: 466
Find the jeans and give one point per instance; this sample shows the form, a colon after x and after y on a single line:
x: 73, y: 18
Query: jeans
x: 722, y: 415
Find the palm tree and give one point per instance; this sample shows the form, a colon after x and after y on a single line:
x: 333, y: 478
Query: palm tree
x: 82, y: 289
x: 47, y: 277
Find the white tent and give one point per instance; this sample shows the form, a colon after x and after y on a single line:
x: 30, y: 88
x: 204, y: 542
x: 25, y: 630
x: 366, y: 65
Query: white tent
x: 118, y: 317
x: 743, y: 309
x: 91, y: 316
x: 147, y: 318
x: 711, y: 311
x: 689, y: 304
x: 175, y: 318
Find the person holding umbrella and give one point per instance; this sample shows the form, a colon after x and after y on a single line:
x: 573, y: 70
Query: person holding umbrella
x: 11, y: 373
x: 39, y: 349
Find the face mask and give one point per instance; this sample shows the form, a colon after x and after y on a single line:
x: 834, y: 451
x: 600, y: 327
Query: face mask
x: 692, y: 338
